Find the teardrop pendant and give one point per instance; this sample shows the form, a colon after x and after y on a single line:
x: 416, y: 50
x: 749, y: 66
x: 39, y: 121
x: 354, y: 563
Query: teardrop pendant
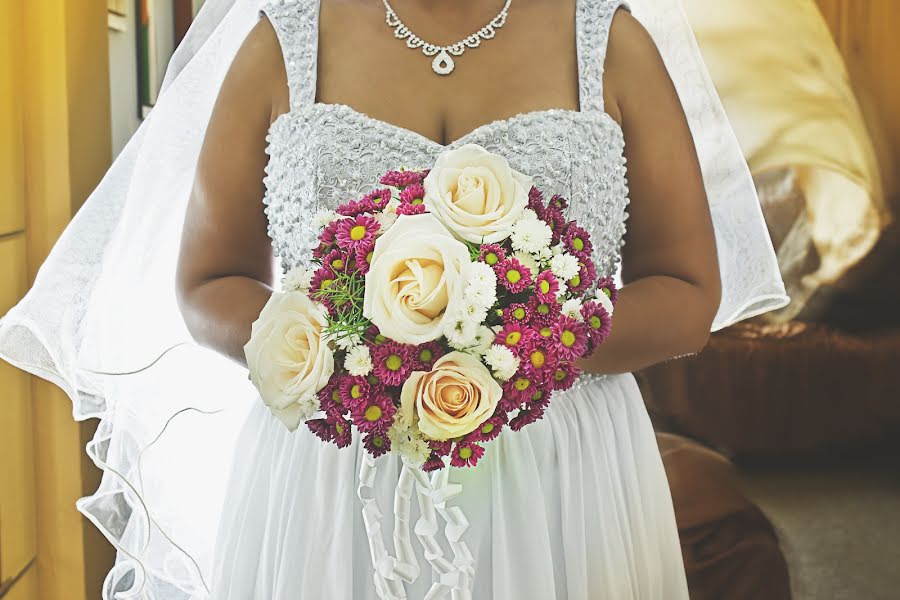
x: 443, y: 63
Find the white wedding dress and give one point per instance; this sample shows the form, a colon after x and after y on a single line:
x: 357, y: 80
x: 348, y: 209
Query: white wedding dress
x: 575, y: 506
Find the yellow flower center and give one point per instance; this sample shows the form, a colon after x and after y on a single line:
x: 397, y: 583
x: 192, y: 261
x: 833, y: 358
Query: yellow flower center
x: 425, y: 355
x: 567, y: 338
x: 522, y: 384
x: 538, y: 359
x: 355, y: 392
x: 336, y: 397
x: 545, y: 286
x: 337, y: 263
x: 607, y: 291
x: 578, y: 244
x: 596, y: 323
x: 326, y: 283
x: 537, y: 395
x: 559, y: 375
x: 491, y: 258
x: 519, y: 313
x: 357, y: 233
x: 488, y: 427
x: 546, y: 332
x: 543, y: 308
x: 465, y: 453
x: 339, y: 428
x: 393, y: 362
x: 513, y: 338
x: 378, y: 442
x: 575, y: 281
x: 369, y: 256
x: 373, y: 413
x: 416, y: 201
x: 380, y: 339
x: 513, y: 276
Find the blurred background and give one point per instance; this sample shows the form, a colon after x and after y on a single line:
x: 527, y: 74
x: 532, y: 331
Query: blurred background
x: 781, y: 440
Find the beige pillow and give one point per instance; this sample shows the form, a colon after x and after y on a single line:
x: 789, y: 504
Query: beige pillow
x: 785, y: 87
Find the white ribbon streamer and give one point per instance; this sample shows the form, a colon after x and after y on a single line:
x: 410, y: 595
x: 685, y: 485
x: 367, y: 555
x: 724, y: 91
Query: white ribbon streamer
x: 449, y: 578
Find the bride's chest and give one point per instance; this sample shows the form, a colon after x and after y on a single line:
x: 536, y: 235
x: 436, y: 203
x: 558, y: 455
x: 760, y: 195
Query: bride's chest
x: 329, y: 153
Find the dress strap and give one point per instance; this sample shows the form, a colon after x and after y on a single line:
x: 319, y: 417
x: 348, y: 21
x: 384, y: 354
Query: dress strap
x: 593, y: 19
x: 296, y: 23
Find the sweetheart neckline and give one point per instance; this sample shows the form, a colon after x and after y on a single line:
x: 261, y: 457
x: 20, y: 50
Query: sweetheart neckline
x: 602, y: 115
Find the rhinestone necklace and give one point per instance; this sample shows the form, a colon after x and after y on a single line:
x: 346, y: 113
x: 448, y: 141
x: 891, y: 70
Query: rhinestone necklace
x: 443, y: 63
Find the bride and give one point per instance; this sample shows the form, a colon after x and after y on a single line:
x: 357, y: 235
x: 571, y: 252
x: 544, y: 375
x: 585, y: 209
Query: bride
x: 301, y: 105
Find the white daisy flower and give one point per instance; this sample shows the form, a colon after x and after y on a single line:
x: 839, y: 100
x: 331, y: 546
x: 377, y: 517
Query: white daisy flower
x: 460, y: 330
x: 385, y: 220
x: 348, y: 341
x: 604, y: 301
x: 484, y: 337
x: 358, y: 361
x: 572, y: 308
x: 530, y: 235
x: 391, y: 206
x: 502, y: 362
x: 408, y: 442
x: 557, y: 249
x: 474, y: 309
x: 324, y: 217
x: 297, y: 279
x: 309, y: 405
x: 564, y: 266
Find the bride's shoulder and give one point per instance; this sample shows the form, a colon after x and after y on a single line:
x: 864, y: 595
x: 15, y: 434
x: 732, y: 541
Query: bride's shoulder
x: 258, y: 67
x: 632, y: 59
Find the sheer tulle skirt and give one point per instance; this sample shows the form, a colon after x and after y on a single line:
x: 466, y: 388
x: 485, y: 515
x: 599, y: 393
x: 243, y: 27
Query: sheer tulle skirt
x: 576, y: 506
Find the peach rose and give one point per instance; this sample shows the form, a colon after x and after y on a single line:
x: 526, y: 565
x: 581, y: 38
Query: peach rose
x: 452, y: 399
x: 287, y: 359
x: 476, y: 194
x: 415, y: 278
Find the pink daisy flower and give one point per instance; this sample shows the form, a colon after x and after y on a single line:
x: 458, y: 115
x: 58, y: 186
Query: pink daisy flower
x: 466, y: 454
x: 558, y: 202
x: 363, y: 258
x: 413, y: 194
x: 375, y: 413
x: 597, y: 320
x: 440, y: 448
x: 321, y: 429
x: 570, y: 337
x: 377, y: 443
x: 516, y: 337
x: 401, y: 179
x: 425, y: 354
x: 536, y: 201
x: 491, y: 428
x: 577, y: 241
x: 516, y: 313
x: 608, y: 287
x: 356, y: 231
x: 538, y: 363
x: 564, y: 375
x: 545, y: 287
x: 377, y: 199
x: 342, y: 434
x: 411, y: 209
x: 539, y: 398
x: 526, y: 417
x: 330, y: 398
x: 353, y: 208
x: 329, y: 233
x: 586, y: 276
x: 434, y: 463
x: 544, y: 313
x: 321, y: 282
x: 354, y: 390
x: 513, y: 275
x: 517, y: 390
x: 492, y: 254
x: 336, y: 261
x: 393, y: 362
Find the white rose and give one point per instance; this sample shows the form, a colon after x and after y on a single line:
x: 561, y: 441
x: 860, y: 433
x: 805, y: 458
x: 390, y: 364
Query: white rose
x: 476, y: 194
x: 415, y: 278
x: 287, y: 359
x: 451, y: 400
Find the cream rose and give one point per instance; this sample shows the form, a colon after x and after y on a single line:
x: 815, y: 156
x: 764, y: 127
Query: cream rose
x: 287, y: 359
x: 414, y: 279
x: 452, y: 399
x: 476, y: 194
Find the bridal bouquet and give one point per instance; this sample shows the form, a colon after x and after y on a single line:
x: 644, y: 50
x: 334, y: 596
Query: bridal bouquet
x: 444, y: 306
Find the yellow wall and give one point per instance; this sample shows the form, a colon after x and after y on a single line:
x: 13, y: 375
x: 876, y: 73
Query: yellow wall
x: 54, y: 147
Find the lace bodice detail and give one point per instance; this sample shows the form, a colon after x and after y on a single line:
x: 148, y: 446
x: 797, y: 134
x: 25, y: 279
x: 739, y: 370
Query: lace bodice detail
x: 321, y: 155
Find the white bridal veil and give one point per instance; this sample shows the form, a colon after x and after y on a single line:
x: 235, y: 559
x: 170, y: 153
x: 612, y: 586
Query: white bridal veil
x: 101, y: 320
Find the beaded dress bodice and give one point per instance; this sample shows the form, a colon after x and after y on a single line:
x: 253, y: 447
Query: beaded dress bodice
x: 321, y: 155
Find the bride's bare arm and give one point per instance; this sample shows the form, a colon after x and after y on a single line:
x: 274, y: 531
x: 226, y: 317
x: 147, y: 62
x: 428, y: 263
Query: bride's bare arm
x: 225, y: 267
x: 669, y: 263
